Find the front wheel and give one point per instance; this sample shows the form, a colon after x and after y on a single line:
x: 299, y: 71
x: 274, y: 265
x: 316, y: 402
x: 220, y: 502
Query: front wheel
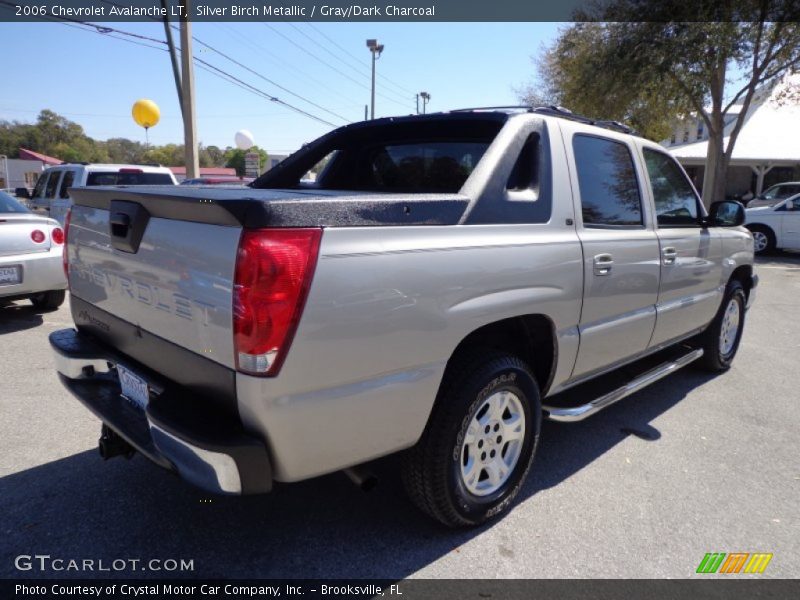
x: 721, y: 340
x: 763, y: 239
x: 480, y: 441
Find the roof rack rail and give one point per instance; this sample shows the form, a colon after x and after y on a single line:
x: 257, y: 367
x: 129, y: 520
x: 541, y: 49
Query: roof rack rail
x: 558, y: 111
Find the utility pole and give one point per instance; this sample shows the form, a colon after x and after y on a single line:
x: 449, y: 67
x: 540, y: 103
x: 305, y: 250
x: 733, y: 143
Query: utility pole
x: 426, y: 97
x: 375, y: 48
x: 187, y: 82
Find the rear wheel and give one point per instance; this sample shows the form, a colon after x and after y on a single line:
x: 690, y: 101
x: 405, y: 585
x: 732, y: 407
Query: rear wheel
x: 763, y: 239
x: 48, y: 300
x: 721, y: 340
x: 479, y: 443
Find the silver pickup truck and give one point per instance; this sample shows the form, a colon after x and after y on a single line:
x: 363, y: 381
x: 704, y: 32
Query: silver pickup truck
x: 447, y: 282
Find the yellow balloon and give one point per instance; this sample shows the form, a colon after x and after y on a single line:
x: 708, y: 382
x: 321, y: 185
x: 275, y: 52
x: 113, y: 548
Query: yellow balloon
x: 146, y: 113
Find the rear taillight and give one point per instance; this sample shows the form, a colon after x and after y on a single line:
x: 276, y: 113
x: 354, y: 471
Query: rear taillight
x: 58, y: 235
x: 37, y: 236
x: 274, y: 268
x: 64, y: 256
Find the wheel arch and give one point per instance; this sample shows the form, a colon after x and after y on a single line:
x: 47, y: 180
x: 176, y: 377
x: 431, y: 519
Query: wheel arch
x: 744, y: 275
x: 530, y: 337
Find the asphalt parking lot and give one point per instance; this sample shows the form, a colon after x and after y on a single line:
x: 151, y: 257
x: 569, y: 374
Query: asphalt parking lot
x: 691, y: 465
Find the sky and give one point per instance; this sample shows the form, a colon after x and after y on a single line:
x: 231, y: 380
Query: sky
x: 94, y: 79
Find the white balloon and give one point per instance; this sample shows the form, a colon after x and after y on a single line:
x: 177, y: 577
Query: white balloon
x: 244, y: 139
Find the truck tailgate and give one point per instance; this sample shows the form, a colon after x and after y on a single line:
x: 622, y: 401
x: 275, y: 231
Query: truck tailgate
x: 177, y: 284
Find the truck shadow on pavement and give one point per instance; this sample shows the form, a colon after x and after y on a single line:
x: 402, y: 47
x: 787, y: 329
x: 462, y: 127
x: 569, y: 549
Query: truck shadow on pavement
x: 19, y: 317
x: 79, y: 507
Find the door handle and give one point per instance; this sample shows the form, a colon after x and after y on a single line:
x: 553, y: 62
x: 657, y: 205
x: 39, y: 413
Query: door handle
x: 668, y: 255
x: 603, y: 264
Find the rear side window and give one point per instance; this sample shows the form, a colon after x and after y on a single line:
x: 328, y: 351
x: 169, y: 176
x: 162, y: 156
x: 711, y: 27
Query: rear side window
x: 50, y: 190
x: 607, y: 181
x: 421, y: 167
x: 675, y: 200
x: 128, y: 179
x: 525, y: 174
x: 66, y: 183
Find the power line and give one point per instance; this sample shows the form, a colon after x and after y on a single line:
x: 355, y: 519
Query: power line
x: 361, y: 62
x: 141, y: 39
x: 283, y: 64
x: 277, y: 85
x: 338, y: 57
x: 327, y: 64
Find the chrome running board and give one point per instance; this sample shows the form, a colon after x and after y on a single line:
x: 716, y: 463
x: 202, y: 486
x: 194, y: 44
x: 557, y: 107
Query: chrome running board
x: 579, y: 413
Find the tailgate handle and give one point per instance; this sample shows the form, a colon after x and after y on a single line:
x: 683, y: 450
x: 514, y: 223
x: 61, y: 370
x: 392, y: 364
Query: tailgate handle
x: 127, y: 222
x: 120, y: 224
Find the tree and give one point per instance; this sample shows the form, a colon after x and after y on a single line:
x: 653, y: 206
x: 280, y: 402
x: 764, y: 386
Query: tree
x: 235, y: 158
x: 215, y: 156
x: 649, y: 62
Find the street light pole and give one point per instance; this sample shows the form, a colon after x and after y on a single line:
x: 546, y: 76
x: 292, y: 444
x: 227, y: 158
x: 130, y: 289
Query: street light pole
x: 375, y: 48
x: 426, y: 97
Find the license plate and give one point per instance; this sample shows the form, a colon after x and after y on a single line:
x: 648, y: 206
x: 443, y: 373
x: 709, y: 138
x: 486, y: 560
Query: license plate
x: 134, y: 388
x: 9, y: 275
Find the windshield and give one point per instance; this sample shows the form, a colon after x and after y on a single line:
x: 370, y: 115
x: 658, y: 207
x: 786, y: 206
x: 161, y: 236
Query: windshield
x: 10, y: 205
x: 780, y: 191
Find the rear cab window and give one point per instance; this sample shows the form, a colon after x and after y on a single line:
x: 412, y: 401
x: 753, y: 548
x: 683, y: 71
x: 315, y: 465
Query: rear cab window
x: 127, y: 178
x: 609, y: 188
x: 435, y: 155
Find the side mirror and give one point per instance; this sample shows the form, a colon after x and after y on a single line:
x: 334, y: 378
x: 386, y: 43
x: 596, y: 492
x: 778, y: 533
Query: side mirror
x: 22, y: 192
x: 727, y: 213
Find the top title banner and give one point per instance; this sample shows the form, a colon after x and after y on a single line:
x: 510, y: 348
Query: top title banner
x: 294, y: 10
x: 395, y: 10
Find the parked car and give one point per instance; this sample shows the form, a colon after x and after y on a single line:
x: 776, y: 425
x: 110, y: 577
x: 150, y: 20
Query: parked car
x: 449, y: 281
x: 51, y: 193
x: 775, y: 224
x: 30, y: 256
x: 218, y: 181
x: 775, y: 193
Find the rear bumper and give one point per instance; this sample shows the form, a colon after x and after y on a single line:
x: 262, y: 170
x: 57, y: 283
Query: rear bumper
x: 177, y: 430
x: 41, y: 272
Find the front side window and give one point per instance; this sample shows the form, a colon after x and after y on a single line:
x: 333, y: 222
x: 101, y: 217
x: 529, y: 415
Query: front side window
x: 52, y: 183
x: 675, y: 200
x: 607, y: 181
x: 38, y: 191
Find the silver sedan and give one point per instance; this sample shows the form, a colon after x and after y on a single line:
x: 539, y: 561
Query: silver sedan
x: 31, y: 249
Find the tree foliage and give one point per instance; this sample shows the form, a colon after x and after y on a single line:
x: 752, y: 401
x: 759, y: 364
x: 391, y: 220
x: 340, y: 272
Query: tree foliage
x: 234, y: 157
x: 61, y: 138
x: 649, y: 62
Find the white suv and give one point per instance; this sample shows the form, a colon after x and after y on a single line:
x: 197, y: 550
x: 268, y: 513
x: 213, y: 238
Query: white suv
x: 51, y: 192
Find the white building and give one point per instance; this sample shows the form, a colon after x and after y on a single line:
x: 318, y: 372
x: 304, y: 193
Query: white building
x: 767, y: 150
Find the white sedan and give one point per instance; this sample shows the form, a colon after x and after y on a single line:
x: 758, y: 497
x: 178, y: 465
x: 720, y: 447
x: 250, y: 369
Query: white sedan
x: 774, y: 224
x: 31, y: 249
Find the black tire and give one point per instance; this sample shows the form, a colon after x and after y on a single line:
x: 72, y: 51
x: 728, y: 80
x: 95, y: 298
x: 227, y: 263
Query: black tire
x: 432, y: 469
x: 769, y: 235
x: 48, y: 300
x: 714, y: 359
